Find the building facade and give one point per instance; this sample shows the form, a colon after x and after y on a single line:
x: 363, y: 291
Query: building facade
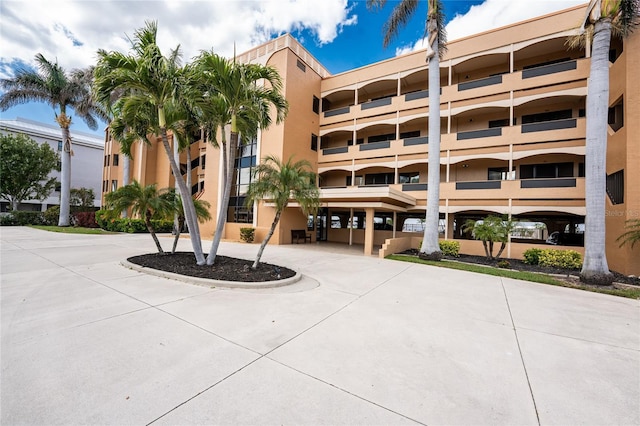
x: 512, y: 143
x: 86, y: 161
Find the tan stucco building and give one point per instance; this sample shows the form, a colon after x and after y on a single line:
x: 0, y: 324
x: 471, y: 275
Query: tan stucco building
x: 513, y: 142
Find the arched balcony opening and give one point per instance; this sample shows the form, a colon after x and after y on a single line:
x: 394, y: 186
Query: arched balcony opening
x: 416, y: 83
x: 337, y: 139
x: 415, y: 131
x: 338, y: 103
x: 484, y: 173
x: 378, y: 134
x: 480, y: 71
x: 480, y: 122
x: 372, y: 176
x: 334, y: 179
x: 377, y: 91
x: 546, y: 57
x: 549, y: 113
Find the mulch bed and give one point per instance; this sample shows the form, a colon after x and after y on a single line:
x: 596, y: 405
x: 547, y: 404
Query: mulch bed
x: 224, y: 269
x: 519, y: 265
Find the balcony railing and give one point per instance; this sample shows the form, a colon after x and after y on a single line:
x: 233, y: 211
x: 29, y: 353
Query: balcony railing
x: 488, y: 184
x: 414, y: 186
x: 374, y: 145
x: 496, y: 79
x: 548, y: 183
x: 549, y: 69
x: 337, y: 111
x: 549, y: 125
x: 420, y: 140
x: 484, y: 133
x: 376, y: 103
x: 416, y: 95
x: 338, y: 150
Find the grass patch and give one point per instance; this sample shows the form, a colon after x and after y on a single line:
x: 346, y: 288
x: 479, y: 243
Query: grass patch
x: 72, y: 229
x: 631, y: 293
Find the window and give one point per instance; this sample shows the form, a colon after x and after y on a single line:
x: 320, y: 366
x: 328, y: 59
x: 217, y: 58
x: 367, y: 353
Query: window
x: 359, y: 181
x: 114, y: 185
x: 412, y: 134
x: 59, y: 145
x: 380, y: 138
x: 503, y: 122
x: 616, y: 116
x: 106, y: 161
x: 116, y: 159
x: 547, y: 116
x: 316, y: 105
x: 105, y: 185
x: 314, y: 142
x: 546, y: 171
x: 615, y: 187
x: 198, y: 187
x: 301, y: 65
x: 580, y: 169
x: 245, y: 161
x: 500, y: 173
x: 359, y: 141
x: 413, y: 177
x: 203, y: 161
x: 379, y: 179
x: 58, y: 187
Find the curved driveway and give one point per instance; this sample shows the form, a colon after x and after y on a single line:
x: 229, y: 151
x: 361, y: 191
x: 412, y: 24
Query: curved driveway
x: 358, y: 340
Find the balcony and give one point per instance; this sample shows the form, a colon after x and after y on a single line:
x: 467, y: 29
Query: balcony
x: 337, y: 150
x: 549, y: 69
x: 489, y: 81
x: 374, y: 145
x: 376, y: 103
x: 337, y: 111
x: 420, y: 140
x: 489, y: 184
x: 549, y: 125
x: 475, y: 134
x: 548, y: 183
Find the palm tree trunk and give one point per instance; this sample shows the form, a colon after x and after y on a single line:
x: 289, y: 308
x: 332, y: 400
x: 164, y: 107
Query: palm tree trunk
x: 65, y: 176
x: 486, y: 249
x: 126, y: 166
x: 224, y: 207
x: 430, y: 244
x: 276, y: 219
x: 147, y: 221
x: 595, y: 268
x: 179, y: 225
x: 187, y: 201
x: 502, y: 246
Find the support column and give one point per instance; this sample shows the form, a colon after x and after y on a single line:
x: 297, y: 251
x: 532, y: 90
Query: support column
x: 509, y: 236
x: 448, y: 164
x: 510, y: 163
x: 395, y: 219
x: 351, y: 227
x: 449, y: 231
x: 368, y: 232
x: 395, y: 175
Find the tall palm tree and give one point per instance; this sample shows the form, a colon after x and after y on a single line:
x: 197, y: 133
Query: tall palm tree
x: 278, y: 182
x: 436, y: 47
x: 150, y: 82
x: 145, y: 201
x: 51, y: 84
x: 603, y: 18
x: 231, y: 95
x: 202, y: 211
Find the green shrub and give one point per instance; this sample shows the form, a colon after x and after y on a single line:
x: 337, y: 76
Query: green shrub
x: 131, y: 226
x: 23, y: 218
x: 51, y: 215
x: 504, y: 264
x: 532, y: 256
x: 247, y: 234
x: 567, y: 259
x: 450, y: 248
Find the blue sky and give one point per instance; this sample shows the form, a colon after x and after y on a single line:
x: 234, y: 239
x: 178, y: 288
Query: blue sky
x: 341, y: 34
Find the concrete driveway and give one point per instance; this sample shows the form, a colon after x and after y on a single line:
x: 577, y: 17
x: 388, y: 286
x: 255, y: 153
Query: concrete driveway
x: 358, y: 340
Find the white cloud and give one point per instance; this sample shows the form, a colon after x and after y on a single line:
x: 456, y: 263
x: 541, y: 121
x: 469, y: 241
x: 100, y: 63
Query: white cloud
x: 73, y: 30
x: 493, y: 14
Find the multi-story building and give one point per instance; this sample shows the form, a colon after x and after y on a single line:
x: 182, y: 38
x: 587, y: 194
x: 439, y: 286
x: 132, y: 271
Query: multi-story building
x: 512, y: 143
x: 88, y: 151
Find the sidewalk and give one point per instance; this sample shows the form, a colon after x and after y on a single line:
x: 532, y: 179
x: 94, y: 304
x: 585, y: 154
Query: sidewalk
x: 359, y: 340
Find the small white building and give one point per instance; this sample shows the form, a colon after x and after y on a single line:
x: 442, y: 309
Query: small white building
x: 86, y: 161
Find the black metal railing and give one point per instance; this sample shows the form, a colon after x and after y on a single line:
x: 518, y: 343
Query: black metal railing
x: 496, y: 79
x: 549, y: 125
x: 487, y: 184
x: 549, y: 69
x: 484, y: 133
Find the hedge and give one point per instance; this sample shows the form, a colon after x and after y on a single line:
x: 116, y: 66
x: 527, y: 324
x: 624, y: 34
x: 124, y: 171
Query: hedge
x: 129, y: 225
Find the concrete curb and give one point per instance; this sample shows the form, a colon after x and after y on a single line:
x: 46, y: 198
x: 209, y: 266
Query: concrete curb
x: 213, y: 283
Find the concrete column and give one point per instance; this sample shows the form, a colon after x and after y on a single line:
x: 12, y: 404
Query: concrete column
x: 350, y: 227
x: 395, y: 220
x: 395, y: 177
x: 510, y: 162
x: 448, y: 164
x: 511, y: 59
x: 449, y: 231
x: 368, y: 232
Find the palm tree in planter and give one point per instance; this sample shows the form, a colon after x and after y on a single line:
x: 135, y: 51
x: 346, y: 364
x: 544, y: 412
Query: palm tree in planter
x: 144, y: 201
x: 230, y: 94
x: 279, y: 182
x: 436, y: 47
x: 149, y: 81
x: 603, y: 18
x: 202, y: 211
x: 490, y: 230
x: 53, y: 85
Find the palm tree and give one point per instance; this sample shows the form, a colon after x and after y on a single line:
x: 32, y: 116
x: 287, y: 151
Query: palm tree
x: 202, y: 211
x: 146, y: 202
x: 490, y: 230
x: 436, y: 47
x: 278, y: 182
x: 150, y: 82
x: 53, y: 85
x: 632, y: 235
x: 229, y: 94
x: 603, y: 18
